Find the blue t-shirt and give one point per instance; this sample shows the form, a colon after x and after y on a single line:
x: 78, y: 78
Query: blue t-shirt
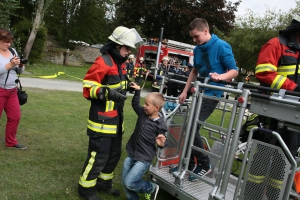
x: 214, y: 56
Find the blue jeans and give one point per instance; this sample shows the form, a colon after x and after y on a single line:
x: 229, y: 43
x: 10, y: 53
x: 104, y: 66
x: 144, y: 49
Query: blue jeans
x: 132, y: 174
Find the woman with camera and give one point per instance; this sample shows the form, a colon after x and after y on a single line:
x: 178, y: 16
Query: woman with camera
x: 9, y: 102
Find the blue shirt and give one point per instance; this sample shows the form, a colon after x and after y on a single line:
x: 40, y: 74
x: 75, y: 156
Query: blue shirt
x: 214, y: 56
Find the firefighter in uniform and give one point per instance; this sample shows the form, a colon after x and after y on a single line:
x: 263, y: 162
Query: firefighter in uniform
x: 140, y: 71
x: 162, y: 71
x: 105, y: 86
x: 173, y: 86
x: 130, y: 67
x: 278, y: 67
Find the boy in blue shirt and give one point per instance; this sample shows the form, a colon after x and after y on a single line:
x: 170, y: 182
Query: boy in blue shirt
x: 141, y: 148
x: 213, y: 58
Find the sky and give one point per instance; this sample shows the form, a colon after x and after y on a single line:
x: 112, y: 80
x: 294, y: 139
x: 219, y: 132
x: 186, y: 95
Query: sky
x: 260, y: 6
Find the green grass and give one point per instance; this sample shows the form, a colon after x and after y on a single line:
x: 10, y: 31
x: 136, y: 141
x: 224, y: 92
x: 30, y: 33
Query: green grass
x: 53, y: 126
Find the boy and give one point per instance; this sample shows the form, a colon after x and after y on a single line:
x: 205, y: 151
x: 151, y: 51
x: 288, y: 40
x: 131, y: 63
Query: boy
x: 213, y: 58
x: 149, y: 129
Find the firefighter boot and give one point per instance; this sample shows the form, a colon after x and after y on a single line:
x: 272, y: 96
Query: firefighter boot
x: 106, y: 186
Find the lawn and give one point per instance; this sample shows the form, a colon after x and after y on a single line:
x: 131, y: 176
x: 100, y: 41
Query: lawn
x: 53, y: 126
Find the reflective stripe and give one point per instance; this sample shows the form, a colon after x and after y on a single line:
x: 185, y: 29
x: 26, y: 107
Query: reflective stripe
x: 123, y: 127
x: 275, y: 183
x: 287, y: 70
x: 93, y: 92
x: 106, y: 176
x: 109, y: 106
x: 102, y: 128
x: 256, y: 179
x: 265, y: 68
x: 89, y: 84
x: 82, y: 181
x: 278, y: 82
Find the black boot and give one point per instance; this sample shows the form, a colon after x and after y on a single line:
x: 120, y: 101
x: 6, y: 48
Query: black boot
x: 106, y: 186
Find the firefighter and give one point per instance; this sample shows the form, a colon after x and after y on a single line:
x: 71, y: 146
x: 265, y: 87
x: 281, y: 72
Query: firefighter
x: 162, y: 71
x: 105, y: 85
x: 173, y: 86
x: 278, y: 67
x: 140, y: 71
x: 130, y: 67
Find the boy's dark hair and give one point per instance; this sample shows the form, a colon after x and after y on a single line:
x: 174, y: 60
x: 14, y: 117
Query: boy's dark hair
x: 199, y: 23
x: 158, y: 99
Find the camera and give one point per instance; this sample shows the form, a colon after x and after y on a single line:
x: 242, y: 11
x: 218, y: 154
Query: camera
x: 22, y: 59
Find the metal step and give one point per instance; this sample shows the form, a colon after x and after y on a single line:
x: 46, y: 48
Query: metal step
x: 188, y: 190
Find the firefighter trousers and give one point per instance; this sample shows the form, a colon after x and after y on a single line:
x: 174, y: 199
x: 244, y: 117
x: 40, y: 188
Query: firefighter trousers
x: 103, y: 155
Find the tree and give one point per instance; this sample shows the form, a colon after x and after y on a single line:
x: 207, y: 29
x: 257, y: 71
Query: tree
x: 83, y: 20
x: 8, y: 8
x: 41, y: 8
x: 174, y: 16
x: 251, y: 32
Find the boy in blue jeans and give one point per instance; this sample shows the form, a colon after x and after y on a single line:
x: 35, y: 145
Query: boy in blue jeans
x: 141, y: 148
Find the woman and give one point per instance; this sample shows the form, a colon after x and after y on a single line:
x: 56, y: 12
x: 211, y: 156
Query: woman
x: 9, y: 102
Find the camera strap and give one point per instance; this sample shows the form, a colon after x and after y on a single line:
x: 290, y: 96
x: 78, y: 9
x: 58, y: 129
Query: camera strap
x: 13, y: 53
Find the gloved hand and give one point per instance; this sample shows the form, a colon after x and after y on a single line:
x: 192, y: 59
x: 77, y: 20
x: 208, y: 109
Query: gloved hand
x: 115, y: 95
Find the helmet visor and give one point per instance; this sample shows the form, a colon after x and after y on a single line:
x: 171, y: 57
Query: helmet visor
x: 129, y: 38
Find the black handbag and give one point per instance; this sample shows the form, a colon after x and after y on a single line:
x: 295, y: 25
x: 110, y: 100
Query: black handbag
x: 22, y: 95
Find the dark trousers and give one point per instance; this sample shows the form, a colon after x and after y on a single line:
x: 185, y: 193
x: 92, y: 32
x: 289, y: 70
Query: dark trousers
x: 103, y: 155
x: 207, y: 108
x: 172, y: 92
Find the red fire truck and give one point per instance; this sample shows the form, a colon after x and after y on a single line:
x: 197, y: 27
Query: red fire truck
x: 176, y: 51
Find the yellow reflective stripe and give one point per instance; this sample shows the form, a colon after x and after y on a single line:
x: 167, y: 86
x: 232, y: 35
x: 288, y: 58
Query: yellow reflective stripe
x: 275, y: 183
x: 82, y: 180
x: 115, y: 85
x: 102, y: 128
x: 124, y: 84
x: 278, y: 82
x: 256, y: 179
x: 89, y: 84
x: 93, y: 92
x: 106, y: 176
x: 109, y: 106
x: 287, y: 70
x: 265, y: 68
x: 123, y: 127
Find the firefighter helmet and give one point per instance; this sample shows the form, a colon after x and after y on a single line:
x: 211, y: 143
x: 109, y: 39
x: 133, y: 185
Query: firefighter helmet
x: 125, y: 36
x: 131, y: 56
x: 165, y: 58
x: 141, y: 58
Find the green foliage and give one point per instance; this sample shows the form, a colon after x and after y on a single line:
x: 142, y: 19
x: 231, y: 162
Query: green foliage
x: 174, y: 16
x: 8, y: 8
x: 22, y: 31
x: 77, y: 20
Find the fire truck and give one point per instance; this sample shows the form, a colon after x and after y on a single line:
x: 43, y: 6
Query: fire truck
x: 176, y: 51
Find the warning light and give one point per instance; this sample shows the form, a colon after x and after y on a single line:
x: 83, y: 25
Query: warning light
x: 241, y: 99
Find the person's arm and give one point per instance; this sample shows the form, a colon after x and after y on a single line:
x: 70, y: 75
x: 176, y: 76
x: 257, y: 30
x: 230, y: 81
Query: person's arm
x: 136, y: 98
x: 266, y: 67
x: 192, y: 77
x: 92, y: 87
x: 226, y: 76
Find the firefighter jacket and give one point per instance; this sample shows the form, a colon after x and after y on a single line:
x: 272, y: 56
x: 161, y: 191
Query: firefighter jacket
x: 162, y: 71
x: 105, y: 117
x: 140, y: 70
x: 129, y: 68
x: 278, y: 64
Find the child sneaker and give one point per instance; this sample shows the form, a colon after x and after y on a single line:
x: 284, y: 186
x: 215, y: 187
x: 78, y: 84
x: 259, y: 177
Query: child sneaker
x: 201, y: 171
x: 152, y: 196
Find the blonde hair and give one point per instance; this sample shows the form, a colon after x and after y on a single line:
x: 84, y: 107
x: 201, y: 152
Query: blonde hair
x: 157, y: 99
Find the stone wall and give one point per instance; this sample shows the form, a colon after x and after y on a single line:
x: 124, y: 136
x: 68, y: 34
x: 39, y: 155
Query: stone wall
x: 80, y: 55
